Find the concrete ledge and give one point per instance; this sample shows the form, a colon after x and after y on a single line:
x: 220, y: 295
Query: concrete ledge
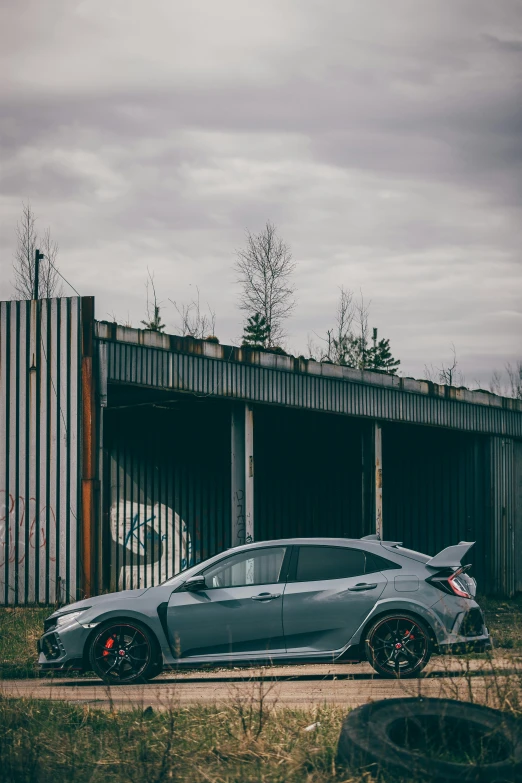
x: 107, y: 331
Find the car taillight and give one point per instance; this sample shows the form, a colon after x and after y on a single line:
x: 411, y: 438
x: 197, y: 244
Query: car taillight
x: 458, y: 586
x: 453, y: 582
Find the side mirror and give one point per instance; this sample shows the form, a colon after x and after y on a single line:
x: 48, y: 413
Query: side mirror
x: 195, y: 583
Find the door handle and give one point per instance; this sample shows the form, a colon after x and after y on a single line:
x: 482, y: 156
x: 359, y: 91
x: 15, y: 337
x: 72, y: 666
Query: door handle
x: 265, y: 596
x: 362, y: 586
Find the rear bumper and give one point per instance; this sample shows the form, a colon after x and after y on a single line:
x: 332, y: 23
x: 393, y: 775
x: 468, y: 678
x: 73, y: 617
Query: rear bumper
x: 466, y: 647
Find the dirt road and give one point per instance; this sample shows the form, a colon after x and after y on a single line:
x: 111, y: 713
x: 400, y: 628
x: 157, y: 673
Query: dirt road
x: 286, y: 686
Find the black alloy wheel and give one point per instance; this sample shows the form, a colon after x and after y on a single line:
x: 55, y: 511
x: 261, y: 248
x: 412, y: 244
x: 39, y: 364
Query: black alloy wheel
x: 398, y: 646
x: 123, y: 653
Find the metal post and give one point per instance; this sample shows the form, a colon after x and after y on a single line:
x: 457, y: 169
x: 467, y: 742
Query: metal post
x: 103, y: 544
x: 242, y: 467
x: 372, y: 479
x: 88, y: 447
x: 37, y: 258
x: 378, y: 479
x: 249, y: 474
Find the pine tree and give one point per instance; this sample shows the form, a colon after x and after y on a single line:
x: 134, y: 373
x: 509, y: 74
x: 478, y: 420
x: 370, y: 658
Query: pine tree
x: 256, y: 333
x: 380, y: 357
x: 154, y: 324
x: 153, y: 320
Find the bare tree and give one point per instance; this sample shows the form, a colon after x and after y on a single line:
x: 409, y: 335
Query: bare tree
x: 24, y: 264
x: 509, y: 385
x: 194, y: 321
x: 153, y: 321
x: 348, y: 342
x: 515, y: 379
x: 359, y: 347
x: 446, y: 374
x: 338, y: 339
x: 123, y: 322
x: 264, y: 270
x: 495, y: 384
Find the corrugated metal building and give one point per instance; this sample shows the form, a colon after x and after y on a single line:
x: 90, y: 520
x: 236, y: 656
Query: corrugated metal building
x: 126, y: 455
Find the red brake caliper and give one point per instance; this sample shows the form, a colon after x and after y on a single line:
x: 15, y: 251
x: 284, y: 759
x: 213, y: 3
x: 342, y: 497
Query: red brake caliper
x: 109, y: 643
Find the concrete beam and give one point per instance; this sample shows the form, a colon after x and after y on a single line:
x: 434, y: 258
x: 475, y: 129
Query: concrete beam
x: 242, y: 475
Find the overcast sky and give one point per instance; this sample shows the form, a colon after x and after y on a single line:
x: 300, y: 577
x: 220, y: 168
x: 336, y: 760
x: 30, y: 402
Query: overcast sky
x: 384, y: 140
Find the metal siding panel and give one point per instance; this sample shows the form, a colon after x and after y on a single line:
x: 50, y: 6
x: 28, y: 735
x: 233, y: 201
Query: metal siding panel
x: 517, y: 515
x: 21, y: 520
x: 61, y: 454
x: 503, y: 508
x: 35, y: 464
x: 13, y: 456
x: 5, y: 504
x: 53, y: 455
x: 26, y: 338
x: 269, y: 385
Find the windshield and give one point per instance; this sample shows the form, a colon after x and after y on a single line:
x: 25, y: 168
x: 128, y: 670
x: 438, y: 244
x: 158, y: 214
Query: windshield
x: 193, y: 570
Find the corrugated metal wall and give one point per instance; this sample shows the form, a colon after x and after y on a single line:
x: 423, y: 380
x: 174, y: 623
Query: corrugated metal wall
x: 156, y: 367
x: 435, y: 492
x: 502, y: 483
x: 40, y: 390
x: 518, y: 515
x: 307, y: 474
x: 169, y: 477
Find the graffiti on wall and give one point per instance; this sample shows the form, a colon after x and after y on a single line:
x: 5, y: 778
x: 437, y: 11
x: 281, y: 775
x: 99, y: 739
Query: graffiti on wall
x: 153, y: 543
x: 16, y: 516
x: 243, y: 534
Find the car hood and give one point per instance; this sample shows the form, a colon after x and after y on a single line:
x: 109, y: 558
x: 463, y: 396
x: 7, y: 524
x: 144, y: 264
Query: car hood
x: 98, y: 599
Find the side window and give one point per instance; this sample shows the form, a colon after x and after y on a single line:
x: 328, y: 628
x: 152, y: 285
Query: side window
x: 376, y: 563
x: 317, y: 563
x: 256, y: 567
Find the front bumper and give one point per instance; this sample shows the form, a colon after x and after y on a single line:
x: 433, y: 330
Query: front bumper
x: 62, y: 649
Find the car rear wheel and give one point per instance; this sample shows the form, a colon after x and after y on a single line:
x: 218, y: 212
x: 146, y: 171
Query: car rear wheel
x: 123, y: 653
x: 398, y: 646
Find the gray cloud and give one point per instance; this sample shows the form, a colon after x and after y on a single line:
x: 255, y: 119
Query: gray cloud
x: 384, y: 139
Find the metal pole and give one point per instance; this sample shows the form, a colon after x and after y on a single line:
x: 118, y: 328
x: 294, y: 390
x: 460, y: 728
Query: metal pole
x: 37, y: 258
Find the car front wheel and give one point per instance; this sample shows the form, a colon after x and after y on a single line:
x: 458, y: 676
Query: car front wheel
x: 398, y: 645
x: 123, y: 653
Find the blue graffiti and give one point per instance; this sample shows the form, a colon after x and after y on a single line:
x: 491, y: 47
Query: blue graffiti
x: 136, y: 525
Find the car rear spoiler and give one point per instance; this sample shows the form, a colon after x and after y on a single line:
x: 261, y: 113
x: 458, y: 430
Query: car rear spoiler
x: 451, y: 557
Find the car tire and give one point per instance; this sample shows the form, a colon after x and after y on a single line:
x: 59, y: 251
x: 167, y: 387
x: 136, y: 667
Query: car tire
x: 398, y: 646
x: 124, y: 652
x: 411, y: 737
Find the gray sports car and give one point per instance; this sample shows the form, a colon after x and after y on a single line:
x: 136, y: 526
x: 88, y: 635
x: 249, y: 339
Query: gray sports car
x: 292, y: 601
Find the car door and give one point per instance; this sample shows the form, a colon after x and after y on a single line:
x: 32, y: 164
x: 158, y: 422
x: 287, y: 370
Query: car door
x: 328, y: 595
x: 238, y: 612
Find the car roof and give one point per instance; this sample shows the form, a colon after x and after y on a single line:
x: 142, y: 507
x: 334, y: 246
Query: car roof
x: 359, y: 542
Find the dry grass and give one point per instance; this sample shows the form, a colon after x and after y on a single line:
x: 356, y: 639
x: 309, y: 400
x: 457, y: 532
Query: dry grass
x: 245, y: 740
x: 504, y: 620
x: 51, y: 741
x: 248, y: 739
x: 20, y: 628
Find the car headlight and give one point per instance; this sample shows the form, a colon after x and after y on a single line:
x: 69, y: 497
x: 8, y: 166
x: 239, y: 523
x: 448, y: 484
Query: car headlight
x: 65, y: 619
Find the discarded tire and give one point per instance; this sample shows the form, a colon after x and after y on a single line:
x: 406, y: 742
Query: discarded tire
x: 435, y: 740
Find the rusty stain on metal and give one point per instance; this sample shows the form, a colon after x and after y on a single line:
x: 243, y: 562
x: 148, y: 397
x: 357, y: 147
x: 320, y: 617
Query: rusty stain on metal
x: 88, y: 445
